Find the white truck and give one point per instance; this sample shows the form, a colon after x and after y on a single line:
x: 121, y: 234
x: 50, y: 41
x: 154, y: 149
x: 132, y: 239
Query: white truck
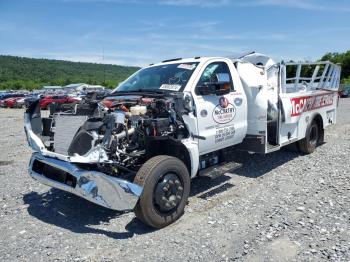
x: 172, y: 121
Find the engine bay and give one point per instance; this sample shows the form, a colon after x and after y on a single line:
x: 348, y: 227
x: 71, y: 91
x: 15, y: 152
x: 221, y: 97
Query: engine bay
x: 122, y: 137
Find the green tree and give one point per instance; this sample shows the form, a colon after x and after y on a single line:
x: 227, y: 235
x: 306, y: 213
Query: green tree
x: 344, y: 60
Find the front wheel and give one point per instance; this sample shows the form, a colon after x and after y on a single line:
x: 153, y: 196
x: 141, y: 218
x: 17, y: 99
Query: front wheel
x: 166, y: 186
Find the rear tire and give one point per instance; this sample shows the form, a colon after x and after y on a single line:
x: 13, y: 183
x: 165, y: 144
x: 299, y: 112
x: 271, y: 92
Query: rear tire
x: 166, y: 186
x: 309, y: 143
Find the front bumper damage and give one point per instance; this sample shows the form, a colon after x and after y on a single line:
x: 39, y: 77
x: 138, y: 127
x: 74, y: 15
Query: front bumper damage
x: 97, y: 187
x: 60, y: 171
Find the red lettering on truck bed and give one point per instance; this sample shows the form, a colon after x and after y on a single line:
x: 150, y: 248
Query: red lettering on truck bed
x: 308, y: 103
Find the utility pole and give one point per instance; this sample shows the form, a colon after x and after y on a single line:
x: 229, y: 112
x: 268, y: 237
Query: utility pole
x: 104, y: 67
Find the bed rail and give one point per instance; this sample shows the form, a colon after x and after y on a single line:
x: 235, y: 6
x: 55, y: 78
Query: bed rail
x: 304, y: 76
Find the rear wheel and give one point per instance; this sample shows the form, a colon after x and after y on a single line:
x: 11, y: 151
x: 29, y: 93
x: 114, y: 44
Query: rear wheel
x: 308, y: 144
x: 166, y: 186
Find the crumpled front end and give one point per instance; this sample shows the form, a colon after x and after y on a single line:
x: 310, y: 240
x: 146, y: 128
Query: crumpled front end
x: 39, y: 133
x: 63, y: 171
x: 97, y: 187
x: 96, y: 152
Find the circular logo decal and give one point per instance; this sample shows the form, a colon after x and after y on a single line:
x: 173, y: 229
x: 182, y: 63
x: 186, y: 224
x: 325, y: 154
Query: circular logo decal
x: 204, y: 113
x: 223, y: 101
x: 238, y: 101
x: 224, y: 112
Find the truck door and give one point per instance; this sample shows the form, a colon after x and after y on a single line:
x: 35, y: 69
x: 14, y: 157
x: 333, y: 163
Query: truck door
x: 273, y: 106
x: 222, y: 119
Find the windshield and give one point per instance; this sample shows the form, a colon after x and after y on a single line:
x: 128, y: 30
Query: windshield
x: 172, y: 77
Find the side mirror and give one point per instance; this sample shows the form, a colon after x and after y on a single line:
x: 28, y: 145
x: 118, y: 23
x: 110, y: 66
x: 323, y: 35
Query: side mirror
x: 223, y: 85
x: 223, y: 78
x: 187, y: 100
x: 220, y: 85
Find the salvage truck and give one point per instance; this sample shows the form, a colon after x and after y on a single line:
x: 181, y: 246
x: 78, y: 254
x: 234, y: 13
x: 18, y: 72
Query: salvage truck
x: 172, y: 121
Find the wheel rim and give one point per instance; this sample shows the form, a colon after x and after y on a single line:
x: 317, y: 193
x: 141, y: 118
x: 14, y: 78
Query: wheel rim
x: 313, y: 135
x: 168, y: 192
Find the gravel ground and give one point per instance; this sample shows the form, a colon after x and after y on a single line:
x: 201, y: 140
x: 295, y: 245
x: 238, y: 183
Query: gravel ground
x: 278, y: 207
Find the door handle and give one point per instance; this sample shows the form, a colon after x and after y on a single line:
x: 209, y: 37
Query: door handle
x: 198, y: 137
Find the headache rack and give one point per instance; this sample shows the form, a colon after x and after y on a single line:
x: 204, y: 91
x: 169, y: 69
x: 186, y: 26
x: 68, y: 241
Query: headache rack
x: 304, y: 76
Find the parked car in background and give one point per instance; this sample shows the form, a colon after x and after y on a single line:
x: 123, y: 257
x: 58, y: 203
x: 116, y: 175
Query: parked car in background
x: 19, y: 103
x: 10, y: 102
x: 84, y: 105
x: 344, y: 90
x: 344, y: 93
x: 65, y: 99
x: 68, y: 100
x: 6, y: 100
x: 58, y: 99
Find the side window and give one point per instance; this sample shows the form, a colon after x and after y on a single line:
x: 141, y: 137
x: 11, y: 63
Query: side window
x: 210, y: 72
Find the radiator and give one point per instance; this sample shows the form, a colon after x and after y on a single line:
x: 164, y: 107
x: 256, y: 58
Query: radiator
x: 65, y: 128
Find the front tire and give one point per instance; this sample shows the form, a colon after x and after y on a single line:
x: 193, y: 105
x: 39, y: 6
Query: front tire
x: 309, y: 143
x: 166, y: 186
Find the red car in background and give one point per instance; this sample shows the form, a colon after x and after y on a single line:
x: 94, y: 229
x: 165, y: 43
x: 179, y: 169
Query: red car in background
x: 58, y: 99
x: 10, y: 102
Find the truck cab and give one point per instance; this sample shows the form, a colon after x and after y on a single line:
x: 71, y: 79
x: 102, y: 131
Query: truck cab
x: 220, y: 113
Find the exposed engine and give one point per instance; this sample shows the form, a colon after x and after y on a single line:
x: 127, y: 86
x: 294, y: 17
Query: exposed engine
x: 119, y: 138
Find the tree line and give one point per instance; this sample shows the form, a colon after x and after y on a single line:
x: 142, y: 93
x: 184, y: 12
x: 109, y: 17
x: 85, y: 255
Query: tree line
x: 30, y: 73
